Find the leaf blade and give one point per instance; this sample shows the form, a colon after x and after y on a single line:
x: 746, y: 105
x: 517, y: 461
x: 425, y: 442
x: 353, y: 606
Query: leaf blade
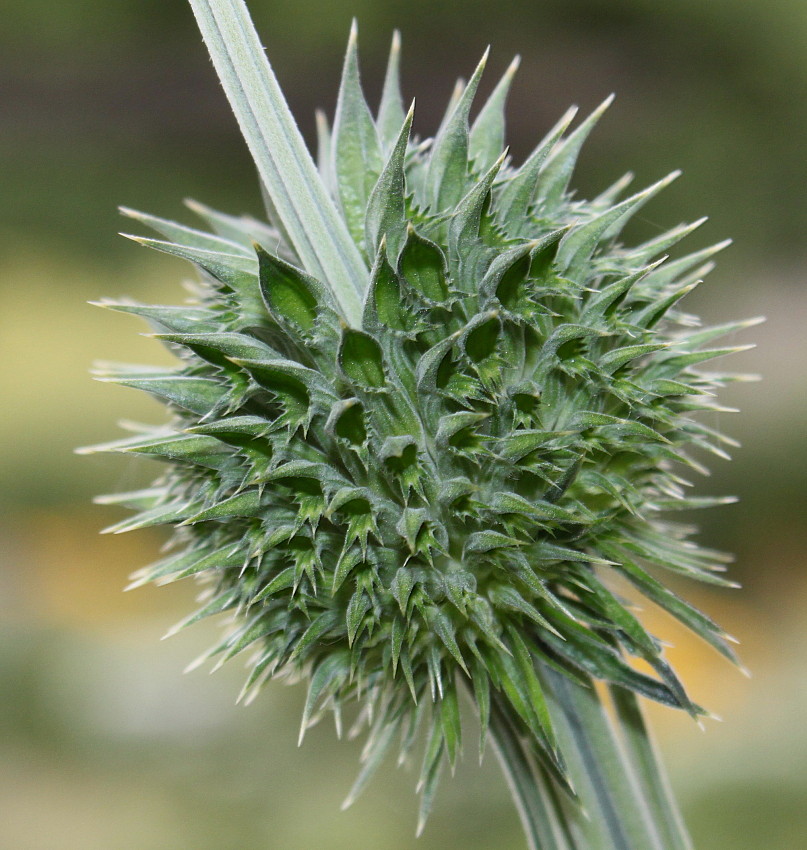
x: 308, y: 215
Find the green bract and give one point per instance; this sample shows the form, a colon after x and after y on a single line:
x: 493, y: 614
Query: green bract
x: 423, y: 478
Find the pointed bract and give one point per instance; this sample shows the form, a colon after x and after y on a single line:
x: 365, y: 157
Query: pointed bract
x: 356, y: 151
x: 391, y: 110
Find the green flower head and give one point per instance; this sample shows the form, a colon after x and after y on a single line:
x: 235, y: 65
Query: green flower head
x: 410, y: 461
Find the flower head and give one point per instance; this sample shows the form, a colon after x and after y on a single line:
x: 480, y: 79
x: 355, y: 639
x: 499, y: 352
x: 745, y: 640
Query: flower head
x: 429, y: 493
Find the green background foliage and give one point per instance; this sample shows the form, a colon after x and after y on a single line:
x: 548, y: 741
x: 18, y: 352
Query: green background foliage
x: 102, y: 744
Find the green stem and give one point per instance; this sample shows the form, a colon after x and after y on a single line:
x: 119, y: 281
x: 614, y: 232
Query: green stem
x: 641, y: 750
x: 617, y: 815
x: 536, y: 801
x: 623, y: 798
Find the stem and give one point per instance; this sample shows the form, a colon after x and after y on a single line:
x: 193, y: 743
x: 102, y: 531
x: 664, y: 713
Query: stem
x: 624, y: 800
x: 618, y: 817
x: 640, y: 748
x: 536, y: 801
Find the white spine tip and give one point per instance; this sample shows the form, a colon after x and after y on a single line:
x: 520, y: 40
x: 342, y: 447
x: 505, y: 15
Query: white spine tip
x: 195, y: 664
x: 605, y: 104
x: 568, y: 116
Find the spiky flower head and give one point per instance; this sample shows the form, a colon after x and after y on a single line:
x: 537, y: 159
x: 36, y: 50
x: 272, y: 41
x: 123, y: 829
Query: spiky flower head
x: 424, y: 482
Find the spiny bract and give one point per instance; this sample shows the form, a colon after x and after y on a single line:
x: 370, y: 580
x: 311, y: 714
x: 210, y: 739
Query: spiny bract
x: 431, y: 495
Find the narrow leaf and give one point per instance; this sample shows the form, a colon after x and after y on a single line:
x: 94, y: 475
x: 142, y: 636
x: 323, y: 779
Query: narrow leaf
x: 619, y: 357
x: 320, y: 626
x: 214, y: 345
x: 556, y: 173
x: 308, y: 215
x: 380, y: 744
x: 177, y: 319
x: 450, y: 721
x: 391, y: 110
x: 182, y: 235
x: 448, y: 166
x: 234, y: 270
x: 199, y: 395
x: 488, y: 541
x: 670, y: 272
x: 334, y: 667
x: 517, y: 194
x: 481, y: 681
x: 347, y: 562
x: 243, y: 229
x: 358, y: 606
x: 444, y: 629
x: 486, y: 139
x: 579, y: 244
x: 356, y: 152
x: 386, y: 206
x: 464, y: 228
x: 403, y: 584
x: 282, y: 581
x: 247, y: 504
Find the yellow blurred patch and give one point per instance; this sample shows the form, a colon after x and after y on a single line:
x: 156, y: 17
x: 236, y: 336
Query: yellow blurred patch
x: 71, y: 576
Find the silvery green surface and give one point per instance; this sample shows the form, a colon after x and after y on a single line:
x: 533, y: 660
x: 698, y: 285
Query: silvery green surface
x: 421, y: 422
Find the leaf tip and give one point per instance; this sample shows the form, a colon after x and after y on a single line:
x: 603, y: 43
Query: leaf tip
x: 139, y: 239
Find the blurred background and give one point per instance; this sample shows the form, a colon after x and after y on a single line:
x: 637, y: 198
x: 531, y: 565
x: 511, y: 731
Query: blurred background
x: 103, y: 744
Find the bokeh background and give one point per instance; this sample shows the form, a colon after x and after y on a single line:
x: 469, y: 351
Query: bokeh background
x: 103, y: 744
